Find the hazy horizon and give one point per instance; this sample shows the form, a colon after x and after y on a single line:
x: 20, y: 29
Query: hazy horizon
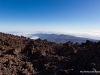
x: 89, y: 35
x: 74, y: 17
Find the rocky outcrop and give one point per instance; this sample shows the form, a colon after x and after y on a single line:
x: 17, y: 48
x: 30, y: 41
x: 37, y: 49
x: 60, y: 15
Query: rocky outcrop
x: 23, y: 56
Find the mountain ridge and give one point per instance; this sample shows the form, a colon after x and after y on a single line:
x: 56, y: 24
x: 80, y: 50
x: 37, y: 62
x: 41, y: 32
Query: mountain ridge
x: 61, y: 38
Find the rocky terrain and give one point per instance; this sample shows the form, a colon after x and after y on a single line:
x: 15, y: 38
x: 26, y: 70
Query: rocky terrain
x: 23, y: 56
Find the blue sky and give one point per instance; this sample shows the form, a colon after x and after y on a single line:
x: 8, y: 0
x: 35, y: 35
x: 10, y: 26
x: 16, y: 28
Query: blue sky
x: 50, y: 15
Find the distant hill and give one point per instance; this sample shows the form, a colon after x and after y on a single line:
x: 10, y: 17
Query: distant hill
x: 60, y: 38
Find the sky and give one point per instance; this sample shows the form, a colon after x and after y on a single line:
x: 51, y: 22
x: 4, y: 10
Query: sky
x: 62, y: 16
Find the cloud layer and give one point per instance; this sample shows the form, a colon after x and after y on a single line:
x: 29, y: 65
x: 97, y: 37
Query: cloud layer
x: 94, y: 34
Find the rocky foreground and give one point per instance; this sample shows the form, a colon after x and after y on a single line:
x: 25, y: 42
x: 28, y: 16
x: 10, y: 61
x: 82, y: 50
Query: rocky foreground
x: 23, y: 56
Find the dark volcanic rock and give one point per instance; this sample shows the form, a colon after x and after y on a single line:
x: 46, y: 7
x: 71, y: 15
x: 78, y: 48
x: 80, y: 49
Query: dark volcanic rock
x: 23, y: 56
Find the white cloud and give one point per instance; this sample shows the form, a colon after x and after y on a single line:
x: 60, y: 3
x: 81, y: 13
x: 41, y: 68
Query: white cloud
x: 93, y: 34
x: 34, y: 37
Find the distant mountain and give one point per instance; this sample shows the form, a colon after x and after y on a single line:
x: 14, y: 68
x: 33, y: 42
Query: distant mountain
x: 60, y: 38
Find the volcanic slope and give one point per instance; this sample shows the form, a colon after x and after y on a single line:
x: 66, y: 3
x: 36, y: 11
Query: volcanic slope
x: 23, y: 56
